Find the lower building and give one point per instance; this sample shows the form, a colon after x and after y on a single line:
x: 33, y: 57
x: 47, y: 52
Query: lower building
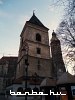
x: 7, y: 71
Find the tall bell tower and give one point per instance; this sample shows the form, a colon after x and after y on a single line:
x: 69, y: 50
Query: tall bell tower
x: 35, y: 34
x: 58, y: 67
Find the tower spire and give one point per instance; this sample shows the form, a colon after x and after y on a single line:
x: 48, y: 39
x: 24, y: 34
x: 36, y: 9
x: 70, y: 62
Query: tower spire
x: 33, y: 12
x: 53, y: 33
x: 57, y: 60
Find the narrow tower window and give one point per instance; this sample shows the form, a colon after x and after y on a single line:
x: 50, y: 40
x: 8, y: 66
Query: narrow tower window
x: 38, y: 37
x: 38, y: 50
x: 38, y: 65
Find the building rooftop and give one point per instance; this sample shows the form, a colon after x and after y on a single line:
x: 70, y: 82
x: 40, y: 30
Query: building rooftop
x: 5, y: 59
x: 66, y: 78
x: 34, y: 20
x: 48, y: 82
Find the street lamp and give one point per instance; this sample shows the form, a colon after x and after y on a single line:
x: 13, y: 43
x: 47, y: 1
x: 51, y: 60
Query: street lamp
x: 26, y: 49
x: 35, y: 78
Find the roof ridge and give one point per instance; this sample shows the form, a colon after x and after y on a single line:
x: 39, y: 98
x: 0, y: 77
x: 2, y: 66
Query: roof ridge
x: 36, y: 21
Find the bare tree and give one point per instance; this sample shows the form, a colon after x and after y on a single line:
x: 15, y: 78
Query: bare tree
x: 71, y: 7
x: 66, y: 32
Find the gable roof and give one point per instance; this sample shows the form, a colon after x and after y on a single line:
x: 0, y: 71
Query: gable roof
x: 36, y: 21
x: 5, y: 59
x: 48, y: 82
x: 66, y: 78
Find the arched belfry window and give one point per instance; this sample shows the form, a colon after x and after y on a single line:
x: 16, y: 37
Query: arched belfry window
x: 38, y: 37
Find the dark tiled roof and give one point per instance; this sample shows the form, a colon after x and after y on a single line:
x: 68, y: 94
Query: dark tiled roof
x: 5, y: 59
x: 12, y: 64
x: 66, y: 78
x: 48, y: 82
x: 36, y: 21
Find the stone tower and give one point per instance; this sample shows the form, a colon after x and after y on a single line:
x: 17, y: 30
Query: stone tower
x: 35, y: 34
x: 58, y: 66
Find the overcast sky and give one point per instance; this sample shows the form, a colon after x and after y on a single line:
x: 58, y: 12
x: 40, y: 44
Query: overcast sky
x: 14, y: 14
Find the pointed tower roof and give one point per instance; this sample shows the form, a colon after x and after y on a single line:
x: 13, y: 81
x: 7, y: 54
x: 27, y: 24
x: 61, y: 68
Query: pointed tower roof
x: 36, y: 21
x: 66, y: 78
x: 54, y: 37
x: 48, y: 82
x: 53, y: 33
